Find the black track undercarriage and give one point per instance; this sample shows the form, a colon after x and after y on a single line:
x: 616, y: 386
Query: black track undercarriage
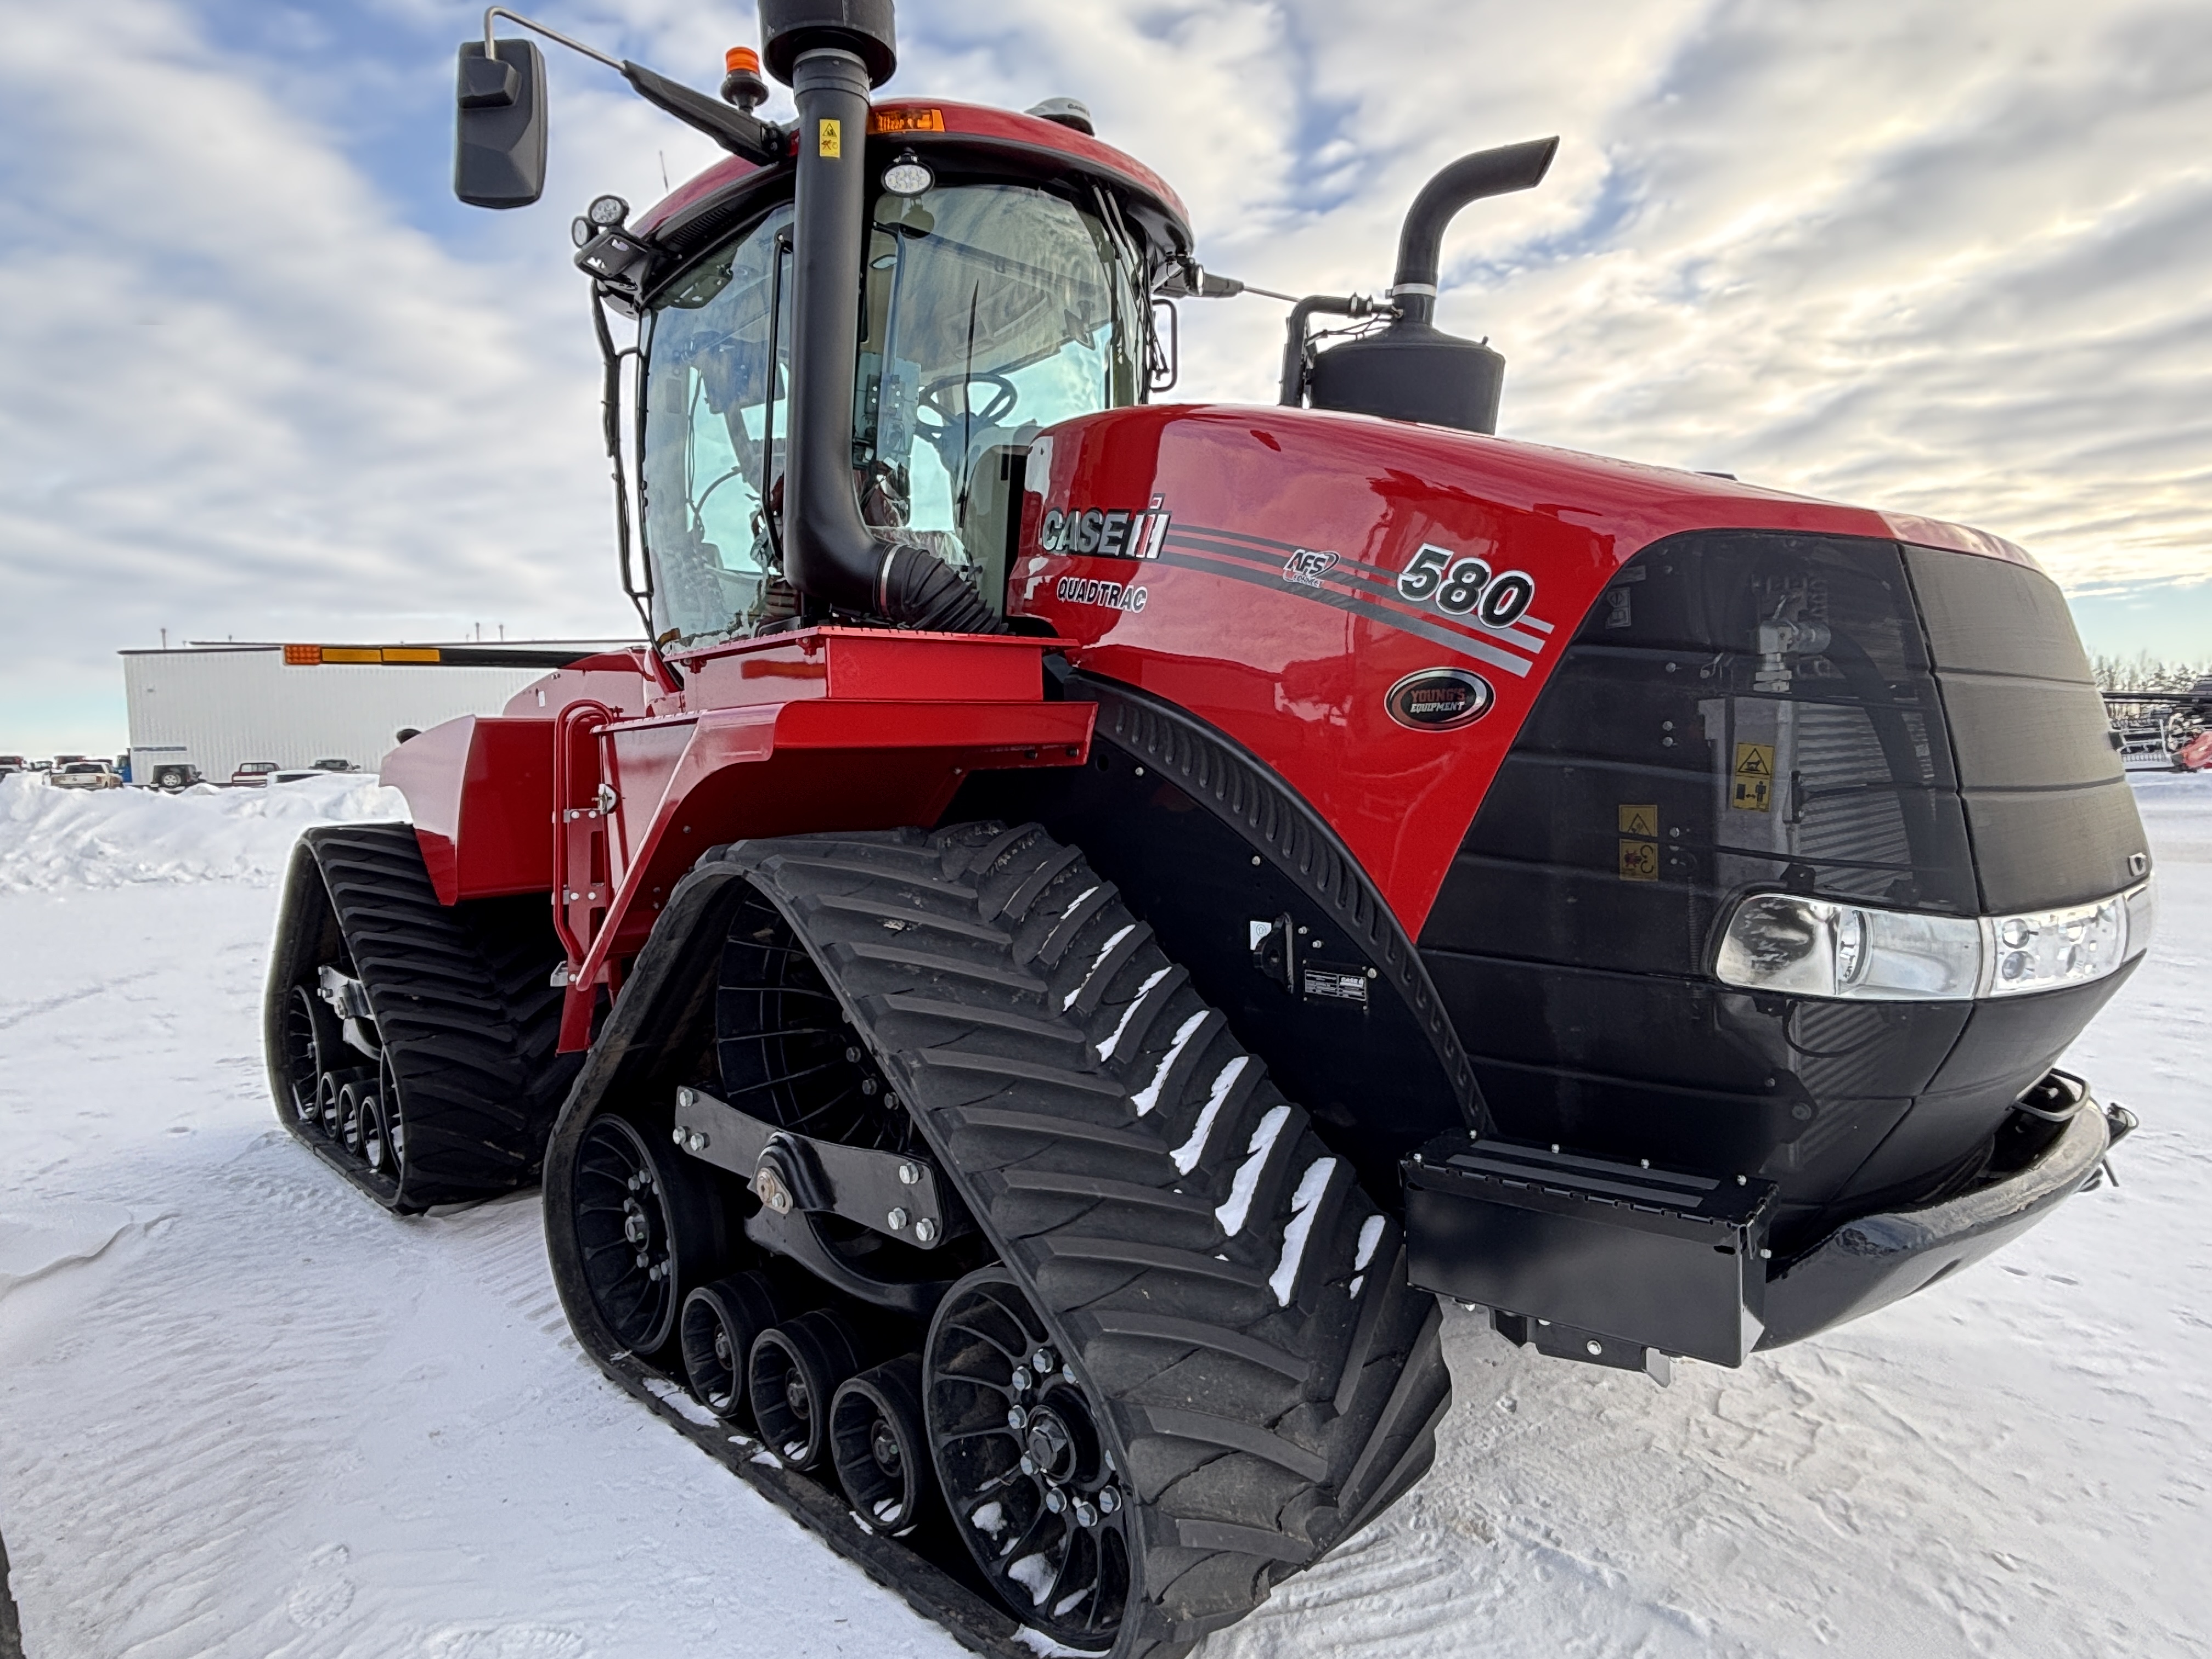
x: 911, y: 1162
x: 411, y: 1044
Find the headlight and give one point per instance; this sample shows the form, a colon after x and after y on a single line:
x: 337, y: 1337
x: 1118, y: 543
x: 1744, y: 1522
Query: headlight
x: 2045, y: 949
x: 1799, y: 946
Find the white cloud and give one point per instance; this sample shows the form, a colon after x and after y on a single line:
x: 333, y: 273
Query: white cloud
x: 260, y: 378
x: 245, y: 396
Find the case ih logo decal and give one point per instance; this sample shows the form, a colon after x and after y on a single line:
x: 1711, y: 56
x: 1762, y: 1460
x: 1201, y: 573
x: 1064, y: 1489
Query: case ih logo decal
x: 1457, y: 585
x: 1452, y: 600
x: 1105, y: 533
x: 1439, y: 699
x: 1110, y: 596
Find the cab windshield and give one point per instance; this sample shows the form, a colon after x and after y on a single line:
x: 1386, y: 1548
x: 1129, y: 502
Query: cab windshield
x: 992, y: 312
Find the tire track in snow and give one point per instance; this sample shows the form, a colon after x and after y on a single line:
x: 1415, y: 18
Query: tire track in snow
x: 13, y: 1015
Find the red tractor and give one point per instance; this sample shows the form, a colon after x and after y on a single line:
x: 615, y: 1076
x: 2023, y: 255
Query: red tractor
x: 1091, y: 915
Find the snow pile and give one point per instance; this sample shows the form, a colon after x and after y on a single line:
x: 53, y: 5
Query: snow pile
x: 59, y: 838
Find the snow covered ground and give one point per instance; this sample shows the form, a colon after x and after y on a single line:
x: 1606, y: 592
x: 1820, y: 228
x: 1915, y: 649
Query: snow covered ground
x: 243, y: 1413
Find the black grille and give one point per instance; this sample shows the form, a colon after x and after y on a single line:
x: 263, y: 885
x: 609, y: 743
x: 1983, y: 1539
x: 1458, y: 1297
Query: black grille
x: 1897, y: 751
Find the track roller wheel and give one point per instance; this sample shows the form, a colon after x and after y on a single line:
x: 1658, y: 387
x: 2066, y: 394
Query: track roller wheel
x: 334, y: 1102
x: 352, y: 1097
x: 645, y: 1222
x: 1033, y: 1492
x: 795, y: 1372
x: 720, y: 1323
x: 375, y: 1121
x: 880, y: 1446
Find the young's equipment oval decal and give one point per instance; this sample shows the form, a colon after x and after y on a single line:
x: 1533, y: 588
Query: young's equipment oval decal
x: 1439, y: 699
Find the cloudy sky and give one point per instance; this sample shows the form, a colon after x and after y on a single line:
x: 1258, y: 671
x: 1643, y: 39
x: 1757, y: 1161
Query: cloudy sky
x: 261, y: 377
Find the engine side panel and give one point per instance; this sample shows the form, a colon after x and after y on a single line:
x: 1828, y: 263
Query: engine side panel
x: 1251, y: 566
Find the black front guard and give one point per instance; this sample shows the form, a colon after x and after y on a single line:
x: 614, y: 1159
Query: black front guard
x: 1870, y: 1262
x: 1591, y: 1258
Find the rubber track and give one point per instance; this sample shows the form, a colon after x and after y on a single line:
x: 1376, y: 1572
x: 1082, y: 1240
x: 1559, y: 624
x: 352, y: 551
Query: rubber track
x: 1269, y: 1397
x: 465, y: 1006
x: 11, y: 1629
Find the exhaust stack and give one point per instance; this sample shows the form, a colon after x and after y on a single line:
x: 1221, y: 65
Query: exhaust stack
x: 832, y: 54
x: 1412, y: 370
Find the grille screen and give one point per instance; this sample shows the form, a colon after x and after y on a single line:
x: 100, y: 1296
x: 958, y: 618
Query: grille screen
x: 1749, y: 710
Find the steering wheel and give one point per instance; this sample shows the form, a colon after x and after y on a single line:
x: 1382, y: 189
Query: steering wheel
x: 936, y: 397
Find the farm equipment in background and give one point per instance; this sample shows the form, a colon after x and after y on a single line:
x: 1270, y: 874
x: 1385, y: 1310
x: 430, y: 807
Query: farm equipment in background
x: 2168, y: 728
x: 1089, y: 915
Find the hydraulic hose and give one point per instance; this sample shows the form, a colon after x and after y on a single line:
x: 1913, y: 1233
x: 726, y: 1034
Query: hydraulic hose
x: 1420, y: 243
x: 829, y: 553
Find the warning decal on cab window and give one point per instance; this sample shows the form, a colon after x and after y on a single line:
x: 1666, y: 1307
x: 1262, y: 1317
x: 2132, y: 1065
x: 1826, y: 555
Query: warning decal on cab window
x: 832, y: 141
x: 1753, y: 790
x: 1639, y: 820
x: 1639, y: 861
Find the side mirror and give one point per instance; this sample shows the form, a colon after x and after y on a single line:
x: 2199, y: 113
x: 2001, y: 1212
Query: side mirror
x: 1163, y: 351
x: 499, y: 137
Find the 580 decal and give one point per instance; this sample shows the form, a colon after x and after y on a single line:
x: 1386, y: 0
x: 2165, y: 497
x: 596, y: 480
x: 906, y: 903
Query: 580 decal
x: 1460, y: 585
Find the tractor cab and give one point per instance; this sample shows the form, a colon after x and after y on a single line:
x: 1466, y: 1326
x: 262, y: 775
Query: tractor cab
x: 993, y: 308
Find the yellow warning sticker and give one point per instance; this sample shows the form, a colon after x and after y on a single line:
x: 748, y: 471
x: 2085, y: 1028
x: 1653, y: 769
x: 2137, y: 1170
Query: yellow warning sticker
x: 831, y: 141
x: 1639, y: 861
x: 1639, y: 820
x: 1754, y: 778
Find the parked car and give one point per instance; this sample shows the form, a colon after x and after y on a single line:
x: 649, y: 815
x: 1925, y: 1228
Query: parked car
x: 253, y: 774
x: 334, y: 763
x: 85, y: 774
x: 13, y: 763
x: 176, y: 776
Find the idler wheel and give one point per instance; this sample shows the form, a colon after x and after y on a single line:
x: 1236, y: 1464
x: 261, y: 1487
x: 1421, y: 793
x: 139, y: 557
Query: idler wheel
x: 720, y: 1323
x: 645, y: 1227
x: 310, y: 1036
x: 879, y: 1445
x: 1015, y: 1443
x: 795, y: 1372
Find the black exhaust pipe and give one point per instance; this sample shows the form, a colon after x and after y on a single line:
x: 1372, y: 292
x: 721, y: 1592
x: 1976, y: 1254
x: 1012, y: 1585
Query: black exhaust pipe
x: 1412, y: 370
x: 832, y: 53
x: 1420, y: 243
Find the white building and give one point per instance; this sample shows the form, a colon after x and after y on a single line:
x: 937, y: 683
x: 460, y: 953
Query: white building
x: 214, y: 708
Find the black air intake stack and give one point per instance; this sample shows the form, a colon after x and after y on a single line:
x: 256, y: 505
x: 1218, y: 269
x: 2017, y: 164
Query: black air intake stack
x: 1412, y: 370
x: 832, y: 54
